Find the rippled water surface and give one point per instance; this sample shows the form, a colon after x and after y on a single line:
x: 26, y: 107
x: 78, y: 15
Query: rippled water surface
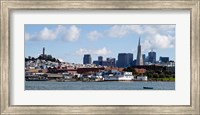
x: 113, y: 85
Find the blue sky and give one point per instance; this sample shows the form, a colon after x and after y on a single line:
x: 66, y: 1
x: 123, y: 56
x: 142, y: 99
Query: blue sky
x: 70, y: 42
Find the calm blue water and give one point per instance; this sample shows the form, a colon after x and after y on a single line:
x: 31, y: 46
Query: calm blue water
x: 113, y: 85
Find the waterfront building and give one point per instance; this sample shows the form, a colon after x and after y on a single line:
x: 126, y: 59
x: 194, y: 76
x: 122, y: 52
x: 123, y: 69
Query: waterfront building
x: 164, y: 59
x: 139, y: 54
x: 124, y: 60
x: 152, y: 57
x: 87, y: 59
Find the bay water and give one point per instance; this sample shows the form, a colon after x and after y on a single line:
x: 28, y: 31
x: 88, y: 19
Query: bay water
x: 108, y: 85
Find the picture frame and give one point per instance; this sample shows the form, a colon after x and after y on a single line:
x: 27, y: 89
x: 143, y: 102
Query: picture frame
x: 8, y: 6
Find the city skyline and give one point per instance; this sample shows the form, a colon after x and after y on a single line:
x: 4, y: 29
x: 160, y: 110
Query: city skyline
x: 70, y: 42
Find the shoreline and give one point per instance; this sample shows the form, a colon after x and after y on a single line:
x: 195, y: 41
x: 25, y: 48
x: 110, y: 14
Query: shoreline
x: 104, y: 81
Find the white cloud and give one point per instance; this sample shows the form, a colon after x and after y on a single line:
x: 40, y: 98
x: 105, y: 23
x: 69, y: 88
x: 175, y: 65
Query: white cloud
x: 120, y: 31
x: 72, y: 34
x: 69, y: 34
x: 154, y: 36
x: 83, y: 51
x: 102, y: 51
x: 94, y: 35
x: 138, y: 29
x: 117, y: 31
x: 27, y: 36
x: 159, y: 37
x: 150, y: 30
x: 47, y: 34
x: 44, y: 34
x: 158, y: 42
x: 153, y: 29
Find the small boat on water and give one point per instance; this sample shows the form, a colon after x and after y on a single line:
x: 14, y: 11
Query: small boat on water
x: 147, y: 87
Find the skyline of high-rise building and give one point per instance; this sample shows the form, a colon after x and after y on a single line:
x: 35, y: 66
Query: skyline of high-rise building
x: 144, y: 58
x: 111, y: 62
x: 124, y: 59
x: 139, y: 60
x: 87, y: 59
x: 117, y: 38
x: 152, y: 56
x: 100, y: 60
x: 164, y: 59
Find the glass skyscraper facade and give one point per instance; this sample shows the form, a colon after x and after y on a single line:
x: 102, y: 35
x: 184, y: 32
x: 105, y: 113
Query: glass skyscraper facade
x: 152, y: 57
x: 87, y: 59
x: 124, y: 60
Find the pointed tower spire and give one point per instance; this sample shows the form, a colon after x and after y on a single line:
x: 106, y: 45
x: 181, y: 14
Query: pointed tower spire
x: 139, y: 41
x: 139, y: 60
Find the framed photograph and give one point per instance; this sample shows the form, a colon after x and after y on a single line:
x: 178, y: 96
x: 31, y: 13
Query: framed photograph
x: 100, y: 57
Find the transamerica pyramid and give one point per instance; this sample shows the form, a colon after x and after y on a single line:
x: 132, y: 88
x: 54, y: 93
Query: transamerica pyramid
x: 139, y: 54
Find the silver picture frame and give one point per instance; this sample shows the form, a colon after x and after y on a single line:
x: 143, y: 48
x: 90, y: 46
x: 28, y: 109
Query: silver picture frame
x: 7, y: 6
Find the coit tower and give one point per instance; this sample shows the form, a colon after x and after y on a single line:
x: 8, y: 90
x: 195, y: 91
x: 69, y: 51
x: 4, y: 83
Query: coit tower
x: 43, y: 53
x: 139, y: 60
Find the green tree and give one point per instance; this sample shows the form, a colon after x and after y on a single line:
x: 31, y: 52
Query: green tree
x: 162, y: 75
x: 167, y: 76
x: 150, y: 75
x: 155, y: 75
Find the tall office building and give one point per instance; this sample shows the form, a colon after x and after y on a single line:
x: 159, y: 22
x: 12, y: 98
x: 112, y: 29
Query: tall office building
x: 139, y: 54
x: 124, y: 60
x: 130, y: 59
x: 111, y: 62
x: 164, y: 59
x: 152, y: 56
x: 144, y: 58
x: 87, y: 59
x: 100, y: 60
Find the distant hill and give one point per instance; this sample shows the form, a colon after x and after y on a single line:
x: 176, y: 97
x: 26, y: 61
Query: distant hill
x: 41, y: 57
